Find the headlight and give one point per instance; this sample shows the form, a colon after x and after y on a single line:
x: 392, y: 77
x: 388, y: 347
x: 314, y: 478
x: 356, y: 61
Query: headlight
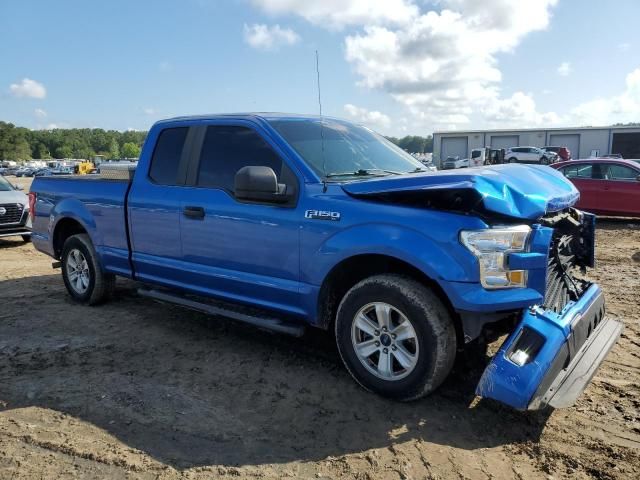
x: 491, y: 247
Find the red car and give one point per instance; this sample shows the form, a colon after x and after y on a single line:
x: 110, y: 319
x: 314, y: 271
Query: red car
x: 607, y: 186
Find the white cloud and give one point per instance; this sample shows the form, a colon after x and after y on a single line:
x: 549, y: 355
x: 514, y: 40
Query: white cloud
x: 40, y: 113
x: 622, y: 108
x: 336, y: 14
x: 445, y: 61
x: 28, y: 88
x: 371, y: 118
x: 623, y: 47
x: 564, y: 69
x: 265, y: 37
x: 150, y: 111
x: 441, y: 64
x: 165, y: 66
x: 519, y: 109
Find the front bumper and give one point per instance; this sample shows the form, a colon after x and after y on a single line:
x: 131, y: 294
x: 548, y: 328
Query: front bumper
x: 570, y: 347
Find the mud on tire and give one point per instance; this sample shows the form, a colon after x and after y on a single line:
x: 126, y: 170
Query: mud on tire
x: 422, y: 356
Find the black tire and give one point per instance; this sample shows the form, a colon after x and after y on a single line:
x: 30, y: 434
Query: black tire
x: 100, y: 284
x: 544, y: 161
x: 433, y: 327
x: 26, y: 238
x: 513, y: 160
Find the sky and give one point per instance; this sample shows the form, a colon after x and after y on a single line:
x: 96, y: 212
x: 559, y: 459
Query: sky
x: 398, y: 66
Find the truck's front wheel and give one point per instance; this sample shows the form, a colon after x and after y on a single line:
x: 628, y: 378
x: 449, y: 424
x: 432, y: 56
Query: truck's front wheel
x: 395, y: 337
x: 81, y: 271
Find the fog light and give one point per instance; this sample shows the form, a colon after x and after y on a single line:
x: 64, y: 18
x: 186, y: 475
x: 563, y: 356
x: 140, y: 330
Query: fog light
x: 526, y: 347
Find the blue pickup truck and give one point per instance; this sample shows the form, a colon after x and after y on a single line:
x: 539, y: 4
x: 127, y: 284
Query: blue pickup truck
x: 286, y: 221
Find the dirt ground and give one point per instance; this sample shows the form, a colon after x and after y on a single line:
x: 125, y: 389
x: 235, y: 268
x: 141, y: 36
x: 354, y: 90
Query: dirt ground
x: 137, y: 389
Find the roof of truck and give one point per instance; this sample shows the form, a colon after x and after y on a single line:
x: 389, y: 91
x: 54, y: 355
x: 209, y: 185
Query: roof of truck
x: 245, y: 115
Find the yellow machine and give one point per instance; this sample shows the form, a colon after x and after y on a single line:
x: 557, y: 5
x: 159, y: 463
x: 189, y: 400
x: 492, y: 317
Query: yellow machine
x: 85, y: 168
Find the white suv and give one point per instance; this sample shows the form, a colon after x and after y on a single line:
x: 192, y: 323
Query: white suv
x: 530, y: 155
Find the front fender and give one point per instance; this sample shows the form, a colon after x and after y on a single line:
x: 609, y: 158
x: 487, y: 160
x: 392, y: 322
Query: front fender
x: 440, y: 257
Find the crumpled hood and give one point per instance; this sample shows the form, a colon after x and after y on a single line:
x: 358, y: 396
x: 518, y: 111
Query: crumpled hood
x: 520, y: 191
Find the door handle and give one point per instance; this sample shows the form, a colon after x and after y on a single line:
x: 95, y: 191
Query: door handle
x: 193, y: 212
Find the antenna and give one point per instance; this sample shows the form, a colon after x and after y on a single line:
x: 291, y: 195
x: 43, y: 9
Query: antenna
x: 318, y: 74
x: 324, y: 163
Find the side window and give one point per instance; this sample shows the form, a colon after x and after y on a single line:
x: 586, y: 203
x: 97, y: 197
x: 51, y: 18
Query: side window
x: 226, y: 149
x: 621, y: 172
x: 583, y: 170
x: 166, y: 156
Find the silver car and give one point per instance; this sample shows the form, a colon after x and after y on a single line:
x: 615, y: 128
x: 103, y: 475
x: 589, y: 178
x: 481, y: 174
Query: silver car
x: 14, y: 210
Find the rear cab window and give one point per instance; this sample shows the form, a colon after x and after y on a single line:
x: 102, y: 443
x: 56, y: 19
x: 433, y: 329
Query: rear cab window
x: 167, y: 154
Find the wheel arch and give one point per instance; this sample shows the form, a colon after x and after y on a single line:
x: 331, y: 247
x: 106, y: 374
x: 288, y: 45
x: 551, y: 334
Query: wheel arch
x: 353, y: 269
x: 65, y: 228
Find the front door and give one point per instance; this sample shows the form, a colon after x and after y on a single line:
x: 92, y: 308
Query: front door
x: 589, y: 183
x: 242, y: 251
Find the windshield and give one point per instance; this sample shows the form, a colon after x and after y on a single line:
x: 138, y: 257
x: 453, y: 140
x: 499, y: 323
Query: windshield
x: 5, y: 186
x: 335, y: 148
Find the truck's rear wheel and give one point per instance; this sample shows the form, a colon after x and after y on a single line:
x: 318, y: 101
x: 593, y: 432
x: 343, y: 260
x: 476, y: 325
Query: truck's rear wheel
x: 395, y: 337
x: 81, y: 271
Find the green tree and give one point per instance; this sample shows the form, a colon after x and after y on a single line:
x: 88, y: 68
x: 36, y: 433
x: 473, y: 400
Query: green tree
x: 130, y: 150
x: 114, y: 149
x: 64, y: 151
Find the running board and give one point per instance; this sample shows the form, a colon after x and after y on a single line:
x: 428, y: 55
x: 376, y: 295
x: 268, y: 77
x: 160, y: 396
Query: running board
x: 225, y: 310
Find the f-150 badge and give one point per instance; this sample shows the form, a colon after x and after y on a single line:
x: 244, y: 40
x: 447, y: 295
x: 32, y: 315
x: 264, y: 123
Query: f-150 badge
x: 322, y: 215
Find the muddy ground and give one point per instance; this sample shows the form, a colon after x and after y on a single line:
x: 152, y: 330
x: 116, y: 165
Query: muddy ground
x: 136, y: 389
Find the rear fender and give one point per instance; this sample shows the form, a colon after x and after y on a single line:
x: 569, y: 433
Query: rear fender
x: 71, y: 208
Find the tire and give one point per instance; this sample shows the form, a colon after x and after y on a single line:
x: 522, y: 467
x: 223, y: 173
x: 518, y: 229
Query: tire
x: 26, y: 238
x: 513, y: 160
x: 91, y: 286
x: 431, y: 344
x: 544, y: 161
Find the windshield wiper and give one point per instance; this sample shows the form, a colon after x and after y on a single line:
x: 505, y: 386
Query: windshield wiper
x: 363, y: 172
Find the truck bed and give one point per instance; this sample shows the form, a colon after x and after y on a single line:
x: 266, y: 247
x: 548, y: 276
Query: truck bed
x: 96, y: 203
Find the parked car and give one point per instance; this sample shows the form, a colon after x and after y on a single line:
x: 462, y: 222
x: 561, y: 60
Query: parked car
x: 530, y: 155
x: 563, y: 153
x: 8, y: 171
x: 607, y: 186
x: 313, y: 221
x: 455, y: 162
x: 43, y: 172
x: 14, y: 211
x: 25, y: 172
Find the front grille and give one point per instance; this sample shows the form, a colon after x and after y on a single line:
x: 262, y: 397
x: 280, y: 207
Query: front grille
x: 561, y: 286
x: 12, y: 213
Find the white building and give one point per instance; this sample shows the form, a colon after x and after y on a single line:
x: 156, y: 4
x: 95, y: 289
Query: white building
x: 583, y: 142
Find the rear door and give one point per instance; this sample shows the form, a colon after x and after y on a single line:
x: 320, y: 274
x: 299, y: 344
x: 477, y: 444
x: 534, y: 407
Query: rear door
x: 242, y: 251
x: 154, y: 206
x: 622, y: 189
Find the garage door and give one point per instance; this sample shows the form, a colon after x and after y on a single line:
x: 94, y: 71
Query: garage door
x: 504, y: 141
x: 626, y: 144
x: 572, y: 142
x: 453, y: 147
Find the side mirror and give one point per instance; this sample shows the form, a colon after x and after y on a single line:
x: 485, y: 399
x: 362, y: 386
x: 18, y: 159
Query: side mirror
x: 17, y: 187
x: 259, y: 184
x: 638, y: 178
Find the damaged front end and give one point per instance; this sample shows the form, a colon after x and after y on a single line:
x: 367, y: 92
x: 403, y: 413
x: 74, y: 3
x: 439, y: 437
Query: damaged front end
x: 556, y: 348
